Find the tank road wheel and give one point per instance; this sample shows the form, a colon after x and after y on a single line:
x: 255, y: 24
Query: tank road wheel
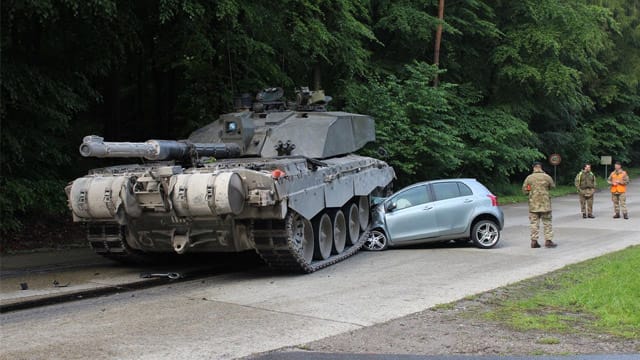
x: 301, y: 233
x: 363, y: 211
x: 339, y: 230
x: 353, y: 223
x: 323, y: 231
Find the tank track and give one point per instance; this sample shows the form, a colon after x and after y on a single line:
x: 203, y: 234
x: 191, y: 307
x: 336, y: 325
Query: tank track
x: 277, y: 249
x: 108, y: 240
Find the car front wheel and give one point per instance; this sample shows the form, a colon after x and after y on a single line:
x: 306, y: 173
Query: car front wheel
x: 485, y: 234
x: 376, y: 241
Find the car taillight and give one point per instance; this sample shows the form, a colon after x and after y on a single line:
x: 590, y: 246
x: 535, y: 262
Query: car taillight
x: 494, y: 199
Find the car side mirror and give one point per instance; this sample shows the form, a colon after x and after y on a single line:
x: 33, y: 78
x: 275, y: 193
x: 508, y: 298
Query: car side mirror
x: 391, y: 206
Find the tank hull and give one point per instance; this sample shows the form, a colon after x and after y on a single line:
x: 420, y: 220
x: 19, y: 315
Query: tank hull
x: 279, y: 178
x: 229, y: 205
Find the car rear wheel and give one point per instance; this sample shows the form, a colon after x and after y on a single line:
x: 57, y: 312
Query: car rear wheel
x: 485, y: 234
x: 376, y: 241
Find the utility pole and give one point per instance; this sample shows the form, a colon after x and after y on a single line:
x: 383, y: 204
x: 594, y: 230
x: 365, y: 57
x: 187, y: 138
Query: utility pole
x: 436, y: 54
x: 317, y: 77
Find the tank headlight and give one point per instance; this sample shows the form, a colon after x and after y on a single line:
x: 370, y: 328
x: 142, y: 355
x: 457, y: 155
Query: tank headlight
x: 231, y: 126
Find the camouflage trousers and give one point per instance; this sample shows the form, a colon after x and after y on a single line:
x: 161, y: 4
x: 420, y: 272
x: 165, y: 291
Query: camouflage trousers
x: 619, y: 202
x: 534, y: 225
x: 586, y: 202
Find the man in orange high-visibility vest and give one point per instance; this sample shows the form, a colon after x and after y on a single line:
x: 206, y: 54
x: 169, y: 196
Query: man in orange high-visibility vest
x: 618, y: 181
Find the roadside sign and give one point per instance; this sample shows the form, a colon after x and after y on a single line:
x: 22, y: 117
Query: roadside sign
x: 606, y: 161
x: 555, y: 160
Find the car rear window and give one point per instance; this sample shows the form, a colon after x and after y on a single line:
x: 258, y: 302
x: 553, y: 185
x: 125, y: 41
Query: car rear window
x: 446, y: 190
x: 464, y: 189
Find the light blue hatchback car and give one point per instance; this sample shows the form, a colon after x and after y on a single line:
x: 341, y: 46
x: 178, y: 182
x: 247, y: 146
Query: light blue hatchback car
x: 440, y: 210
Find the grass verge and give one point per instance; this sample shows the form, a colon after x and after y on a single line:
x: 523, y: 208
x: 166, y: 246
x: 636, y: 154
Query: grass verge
x: 513, y: 193
x: 599, y: 296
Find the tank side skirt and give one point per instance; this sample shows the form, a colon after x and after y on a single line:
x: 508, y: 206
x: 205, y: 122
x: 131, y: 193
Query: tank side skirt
x: 356, y: 176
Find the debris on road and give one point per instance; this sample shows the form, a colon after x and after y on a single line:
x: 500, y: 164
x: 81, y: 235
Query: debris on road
x: 57, y: 284
x: 169, y: 275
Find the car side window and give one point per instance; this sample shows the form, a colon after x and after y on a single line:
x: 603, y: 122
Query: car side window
x: 446, y: 190
x: 411, y: 197
x: 464, y: 189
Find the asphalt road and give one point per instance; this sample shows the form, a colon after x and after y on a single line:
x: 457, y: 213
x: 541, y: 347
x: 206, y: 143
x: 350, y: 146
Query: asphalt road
x: 325, y: 356
x: 250, y: 312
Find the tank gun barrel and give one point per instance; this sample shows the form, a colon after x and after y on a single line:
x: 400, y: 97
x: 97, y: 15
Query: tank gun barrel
x: 95, y: 146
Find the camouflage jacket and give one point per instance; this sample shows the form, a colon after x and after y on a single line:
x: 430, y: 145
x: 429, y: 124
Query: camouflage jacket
x: 537, y: 186
x: 585, y: 180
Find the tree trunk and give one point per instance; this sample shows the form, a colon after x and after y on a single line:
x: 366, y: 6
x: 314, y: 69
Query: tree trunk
x: 317, y: 77
x: 436, y: 55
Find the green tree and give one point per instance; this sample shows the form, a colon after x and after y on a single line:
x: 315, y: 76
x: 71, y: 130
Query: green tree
x: 549, y: 54
x: 434, y: 132
x: 51, y: 52
x: 614, y: 126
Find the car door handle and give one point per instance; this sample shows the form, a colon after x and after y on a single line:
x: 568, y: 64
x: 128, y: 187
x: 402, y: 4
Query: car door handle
x: 428, y: 208
x: 468, y: 200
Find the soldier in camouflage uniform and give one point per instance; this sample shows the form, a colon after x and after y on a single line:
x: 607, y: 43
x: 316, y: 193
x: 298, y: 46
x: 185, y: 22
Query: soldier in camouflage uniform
x: 586, y: 184
x: 537, y: 186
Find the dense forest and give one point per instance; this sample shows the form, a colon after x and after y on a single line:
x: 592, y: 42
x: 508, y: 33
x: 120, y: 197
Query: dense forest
x: 516, y: 80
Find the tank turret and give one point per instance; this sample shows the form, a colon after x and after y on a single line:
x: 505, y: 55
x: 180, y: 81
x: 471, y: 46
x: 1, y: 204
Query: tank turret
x: 275, y: 176
x: 276, y: 128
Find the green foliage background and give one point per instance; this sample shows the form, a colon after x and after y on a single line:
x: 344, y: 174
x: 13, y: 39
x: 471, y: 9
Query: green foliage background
x: 519, y: 80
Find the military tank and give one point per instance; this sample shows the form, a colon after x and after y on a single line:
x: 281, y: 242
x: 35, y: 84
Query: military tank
x: 276, y: 176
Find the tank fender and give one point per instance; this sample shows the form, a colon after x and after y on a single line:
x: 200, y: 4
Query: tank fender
x: 308, y: 201
x: 339, y: 191
x: 371, y: 178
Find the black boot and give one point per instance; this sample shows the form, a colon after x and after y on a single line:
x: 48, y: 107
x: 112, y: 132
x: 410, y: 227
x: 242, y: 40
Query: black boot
x: 550, y: 244
x: 616, y: 216
x: 584, y: 216
x: 626, y: 217
x: 590, y: 216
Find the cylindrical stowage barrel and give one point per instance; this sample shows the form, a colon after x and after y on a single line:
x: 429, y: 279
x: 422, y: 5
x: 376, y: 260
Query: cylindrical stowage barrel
x: 95, y: 146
